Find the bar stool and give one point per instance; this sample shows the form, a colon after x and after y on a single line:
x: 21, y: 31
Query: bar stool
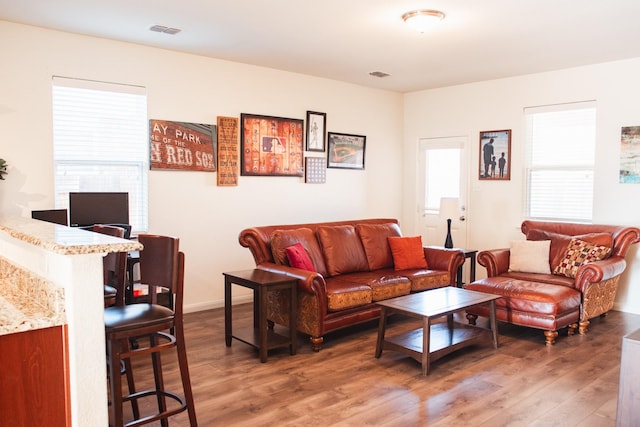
x: 161, y: 265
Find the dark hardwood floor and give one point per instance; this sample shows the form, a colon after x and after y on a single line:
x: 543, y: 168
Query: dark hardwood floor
x: 522, y: 383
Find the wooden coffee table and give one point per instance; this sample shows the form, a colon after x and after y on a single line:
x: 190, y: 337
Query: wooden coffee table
x: 434, y: 340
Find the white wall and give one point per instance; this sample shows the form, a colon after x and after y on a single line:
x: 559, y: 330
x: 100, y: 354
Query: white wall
x: 495, y: 208
x: 190, y: 88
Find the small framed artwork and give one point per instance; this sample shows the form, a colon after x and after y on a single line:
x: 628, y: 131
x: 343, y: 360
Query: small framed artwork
x: 315, y: 171
x: 316, y: 125
x: 271, y: 146
x: 495, y: 155
x: 346, y: 151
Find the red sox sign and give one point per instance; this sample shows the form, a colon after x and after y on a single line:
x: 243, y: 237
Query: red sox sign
x: 182, y: 146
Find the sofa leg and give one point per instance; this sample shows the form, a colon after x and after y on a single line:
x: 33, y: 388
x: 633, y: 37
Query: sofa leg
x: 550, y: 337
x: 571, y: 329
x: 584, y: 327
x: 472, y: 318
x: 603, y: 315
x: 270, y: 324
x: 316, y: 342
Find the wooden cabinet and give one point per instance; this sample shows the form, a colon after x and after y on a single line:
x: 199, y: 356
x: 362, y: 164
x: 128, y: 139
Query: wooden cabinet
x: 34, y: 379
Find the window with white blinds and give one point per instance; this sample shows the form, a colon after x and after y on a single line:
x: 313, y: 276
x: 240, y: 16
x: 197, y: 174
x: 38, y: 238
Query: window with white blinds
x: 561, y: 143
x: 100, y: 142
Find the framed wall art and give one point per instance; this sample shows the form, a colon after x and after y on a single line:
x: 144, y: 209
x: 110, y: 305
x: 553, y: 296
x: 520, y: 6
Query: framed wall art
x: 315, y: 171
x: 316, y: 125
x: 495, y: 155
x: 346, y: 151
x: 182, y: 146
x: 271, y: 146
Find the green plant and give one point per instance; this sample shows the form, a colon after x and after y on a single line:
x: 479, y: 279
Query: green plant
x: 3, y: 168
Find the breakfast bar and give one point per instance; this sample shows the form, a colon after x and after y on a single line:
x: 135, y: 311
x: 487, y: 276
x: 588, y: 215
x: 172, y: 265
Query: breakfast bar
x: 51, y: 310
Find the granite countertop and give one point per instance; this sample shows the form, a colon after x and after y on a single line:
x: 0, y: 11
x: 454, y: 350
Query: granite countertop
x: 64, y: 240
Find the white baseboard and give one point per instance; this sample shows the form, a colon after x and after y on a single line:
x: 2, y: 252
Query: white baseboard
x: 192, y: 308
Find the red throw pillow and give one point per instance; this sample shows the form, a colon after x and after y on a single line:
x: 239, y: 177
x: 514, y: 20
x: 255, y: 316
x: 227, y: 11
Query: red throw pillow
x: 407, y: 252
x: 299, y: 258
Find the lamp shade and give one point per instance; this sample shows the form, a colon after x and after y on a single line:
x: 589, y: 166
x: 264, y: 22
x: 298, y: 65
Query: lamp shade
x: 449, y: 208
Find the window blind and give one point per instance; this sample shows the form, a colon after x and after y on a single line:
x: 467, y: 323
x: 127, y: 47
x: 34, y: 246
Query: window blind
x: 100, y: 140
x: 560, y: 161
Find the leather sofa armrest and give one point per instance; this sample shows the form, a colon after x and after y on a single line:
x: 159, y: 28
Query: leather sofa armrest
x: 496, y: 261
x: 598, y: 271
x: 444, y: 259
x: 308, y: 281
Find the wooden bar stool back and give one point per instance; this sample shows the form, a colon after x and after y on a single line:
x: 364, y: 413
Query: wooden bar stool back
x: 149, y: 324
x: 114, y: 266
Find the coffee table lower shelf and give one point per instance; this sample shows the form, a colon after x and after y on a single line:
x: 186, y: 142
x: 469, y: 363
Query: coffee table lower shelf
x: 442, y: 341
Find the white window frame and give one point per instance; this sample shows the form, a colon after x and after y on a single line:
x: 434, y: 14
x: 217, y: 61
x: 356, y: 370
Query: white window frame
x: 100, y: 138
x: 560, y: 162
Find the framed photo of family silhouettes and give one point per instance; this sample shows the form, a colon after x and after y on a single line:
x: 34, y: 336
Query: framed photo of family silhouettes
x: 495, y: 155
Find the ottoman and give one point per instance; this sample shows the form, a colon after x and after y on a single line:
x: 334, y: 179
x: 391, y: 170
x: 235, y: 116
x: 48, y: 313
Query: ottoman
x: 533, y: 304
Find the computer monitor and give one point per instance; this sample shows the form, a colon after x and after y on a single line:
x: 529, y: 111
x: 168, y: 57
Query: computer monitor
x: 98, y: 208
x: 57, y: 216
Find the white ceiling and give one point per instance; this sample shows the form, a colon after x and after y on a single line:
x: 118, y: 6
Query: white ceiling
x: 346, y: 39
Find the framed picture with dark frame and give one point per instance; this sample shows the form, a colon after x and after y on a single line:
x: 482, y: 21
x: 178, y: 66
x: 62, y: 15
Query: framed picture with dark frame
x: 346, y: 151
x: 494, y: 161
x: 271, y: 146
x: 316, y: 130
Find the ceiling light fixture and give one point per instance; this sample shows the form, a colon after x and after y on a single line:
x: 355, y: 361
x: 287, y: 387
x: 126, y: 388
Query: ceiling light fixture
x: 422, y: 19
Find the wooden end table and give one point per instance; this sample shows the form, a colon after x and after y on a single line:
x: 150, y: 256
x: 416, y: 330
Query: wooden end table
x: 471, y: 254
x: 432, y: 341
x: 260, y: 336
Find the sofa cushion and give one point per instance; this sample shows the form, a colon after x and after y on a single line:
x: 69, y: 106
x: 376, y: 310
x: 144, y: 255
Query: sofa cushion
x: 578, y: 253
x: 529, y: 297
x: 375, y: 244
x: 422, y: 280
x: 282, y: 239
x: 384, y: 284
x: 343, y: 252
x: 343, y: 294
x: 407, y: 252
x: 560, y: 242
x: 529, y: 256
x: 299, y: 258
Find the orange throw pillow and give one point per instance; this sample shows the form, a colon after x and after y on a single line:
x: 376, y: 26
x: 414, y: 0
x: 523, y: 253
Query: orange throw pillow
x: 407, y: 252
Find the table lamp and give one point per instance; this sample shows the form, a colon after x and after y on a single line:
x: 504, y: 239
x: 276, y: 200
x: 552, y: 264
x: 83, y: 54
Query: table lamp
x: 449, y: 208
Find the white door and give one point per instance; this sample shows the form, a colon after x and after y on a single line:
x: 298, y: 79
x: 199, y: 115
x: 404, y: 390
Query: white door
x: 443, y: 167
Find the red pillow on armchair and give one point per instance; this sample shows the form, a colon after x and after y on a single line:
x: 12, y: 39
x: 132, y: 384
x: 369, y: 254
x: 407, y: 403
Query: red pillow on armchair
x: 299, y: 258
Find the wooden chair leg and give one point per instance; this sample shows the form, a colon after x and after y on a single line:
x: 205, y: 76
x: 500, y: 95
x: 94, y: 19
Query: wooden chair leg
x: 186, y: 379
x: 115, y: 382
x: 571, y: 329
x: 159, y: 380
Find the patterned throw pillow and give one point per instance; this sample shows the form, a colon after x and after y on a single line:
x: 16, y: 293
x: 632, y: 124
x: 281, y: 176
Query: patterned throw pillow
x: 580, y: 252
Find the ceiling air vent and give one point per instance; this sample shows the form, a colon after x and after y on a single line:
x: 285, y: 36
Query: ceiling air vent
x: 379, y: 74
x: 166, y: 30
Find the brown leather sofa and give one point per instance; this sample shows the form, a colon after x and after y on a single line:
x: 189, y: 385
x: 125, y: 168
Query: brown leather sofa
x: 354, y: 267
x: 553, y: 301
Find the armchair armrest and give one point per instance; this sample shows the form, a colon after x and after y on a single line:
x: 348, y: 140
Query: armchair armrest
x: 598, y: 271
x: 496, y: 261
x: 444, y: 259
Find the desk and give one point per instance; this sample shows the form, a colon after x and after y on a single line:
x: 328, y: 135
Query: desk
x: 260, y: 336
x: 471, y: 254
